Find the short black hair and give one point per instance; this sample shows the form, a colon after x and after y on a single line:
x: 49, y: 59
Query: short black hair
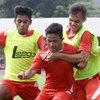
x: 78, y: 8
x: 54, y: 28
x: 22, y: 10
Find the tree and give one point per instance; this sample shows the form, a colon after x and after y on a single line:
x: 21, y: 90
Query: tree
x: 51, y: 8
x: 60, y: 11
x: 8, y: 6
x: 43, y: 8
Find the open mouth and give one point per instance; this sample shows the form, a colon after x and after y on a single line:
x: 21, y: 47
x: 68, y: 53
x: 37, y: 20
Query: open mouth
x: 22, y: 29
x: 73, y: 26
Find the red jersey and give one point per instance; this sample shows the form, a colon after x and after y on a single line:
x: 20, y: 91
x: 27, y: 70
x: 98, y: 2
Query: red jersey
x: 3, y: 35
x: 59, y: 73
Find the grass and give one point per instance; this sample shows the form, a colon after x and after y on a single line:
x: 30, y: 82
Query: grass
x: 41, y: 81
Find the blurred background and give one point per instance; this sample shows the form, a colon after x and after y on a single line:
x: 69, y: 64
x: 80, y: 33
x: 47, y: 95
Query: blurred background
x: 48, y: 8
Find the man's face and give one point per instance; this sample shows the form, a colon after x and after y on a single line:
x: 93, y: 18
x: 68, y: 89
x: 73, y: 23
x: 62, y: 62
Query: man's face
x: 54, y: 42
x: 22, y: 24
x: 76, y: 21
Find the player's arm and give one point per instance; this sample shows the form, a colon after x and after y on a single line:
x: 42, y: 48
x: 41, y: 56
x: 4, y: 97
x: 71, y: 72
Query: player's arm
x: 27, y: 75
x: 3, y: 35
x: 81, y: 59
x: 83, y: 63
x: 85, y: 48
x: 73, y: 58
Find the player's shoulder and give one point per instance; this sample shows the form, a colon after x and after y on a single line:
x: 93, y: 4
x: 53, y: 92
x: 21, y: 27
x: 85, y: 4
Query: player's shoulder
x: 4, y: 32
x: 42, y: 51
x: 70, y: 48
x: 36, y: 32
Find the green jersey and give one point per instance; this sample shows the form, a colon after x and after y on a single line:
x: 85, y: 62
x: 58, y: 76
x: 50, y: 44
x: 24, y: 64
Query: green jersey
x: 93, y: 66
x: 19, y: 53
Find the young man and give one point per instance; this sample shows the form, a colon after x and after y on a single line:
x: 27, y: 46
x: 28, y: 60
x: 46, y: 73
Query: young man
x: 87, y: 85
x: 59, y: 73
x: 20, y: 47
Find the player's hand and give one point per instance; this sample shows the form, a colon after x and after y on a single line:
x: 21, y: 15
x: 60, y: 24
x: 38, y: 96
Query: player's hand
x: 53, y: 56
x: 81, y: 65
x: 84, y: 56
x: 26, y: 75
x: 21, y: 75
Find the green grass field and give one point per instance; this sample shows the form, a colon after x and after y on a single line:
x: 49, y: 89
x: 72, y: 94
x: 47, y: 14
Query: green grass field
x: 41, y: 81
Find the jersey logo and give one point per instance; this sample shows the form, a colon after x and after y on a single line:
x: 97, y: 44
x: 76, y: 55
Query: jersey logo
x: 18, y: 54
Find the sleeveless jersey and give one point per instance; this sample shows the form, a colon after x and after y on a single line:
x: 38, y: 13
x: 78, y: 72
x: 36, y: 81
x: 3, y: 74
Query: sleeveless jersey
x: 19, y: 54
x: 93, y: 66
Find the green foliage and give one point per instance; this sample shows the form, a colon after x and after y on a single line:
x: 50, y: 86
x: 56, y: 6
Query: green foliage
x: 43, y: 8
x: 48, y: 8
x: 60, y: 11
x: 8, y: 6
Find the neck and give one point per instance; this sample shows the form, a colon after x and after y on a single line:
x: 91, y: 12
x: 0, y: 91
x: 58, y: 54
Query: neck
x: 61, y: 49
x: 74, y: 31
x: 23, y: 33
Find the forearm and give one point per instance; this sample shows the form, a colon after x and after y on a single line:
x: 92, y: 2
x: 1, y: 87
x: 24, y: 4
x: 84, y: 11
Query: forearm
x: 74, y: 58
x: 80, y: 59
x: 30, y: 73
x: 27, y: 75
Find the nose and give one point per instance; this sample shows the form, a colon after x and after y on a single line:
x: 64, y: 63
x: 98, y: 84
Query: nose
x: 51, y: 44
x: 22, y: 24
x: 73, y: 23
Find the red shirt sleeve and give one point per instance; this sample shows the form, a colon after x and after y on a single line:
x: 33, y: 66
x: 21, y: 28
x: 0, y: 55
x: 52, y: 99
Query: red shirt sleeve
x: 3, y: 39
x: 37, y: 62
x: 86, y: 42
x: 41, y: 42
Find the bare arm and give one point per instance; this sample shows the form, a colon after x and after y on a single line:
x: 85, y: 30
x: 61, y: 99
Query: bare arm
x: 27, y: 75
x: 83, y: 62
x: 80, y: 59
x: 73, y: 58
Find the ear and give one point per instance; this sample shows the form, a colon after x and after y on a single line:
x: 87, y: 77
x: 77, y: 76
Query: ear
x: 62, y: 39
x: 15, y: 20
x: 30, y: 22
